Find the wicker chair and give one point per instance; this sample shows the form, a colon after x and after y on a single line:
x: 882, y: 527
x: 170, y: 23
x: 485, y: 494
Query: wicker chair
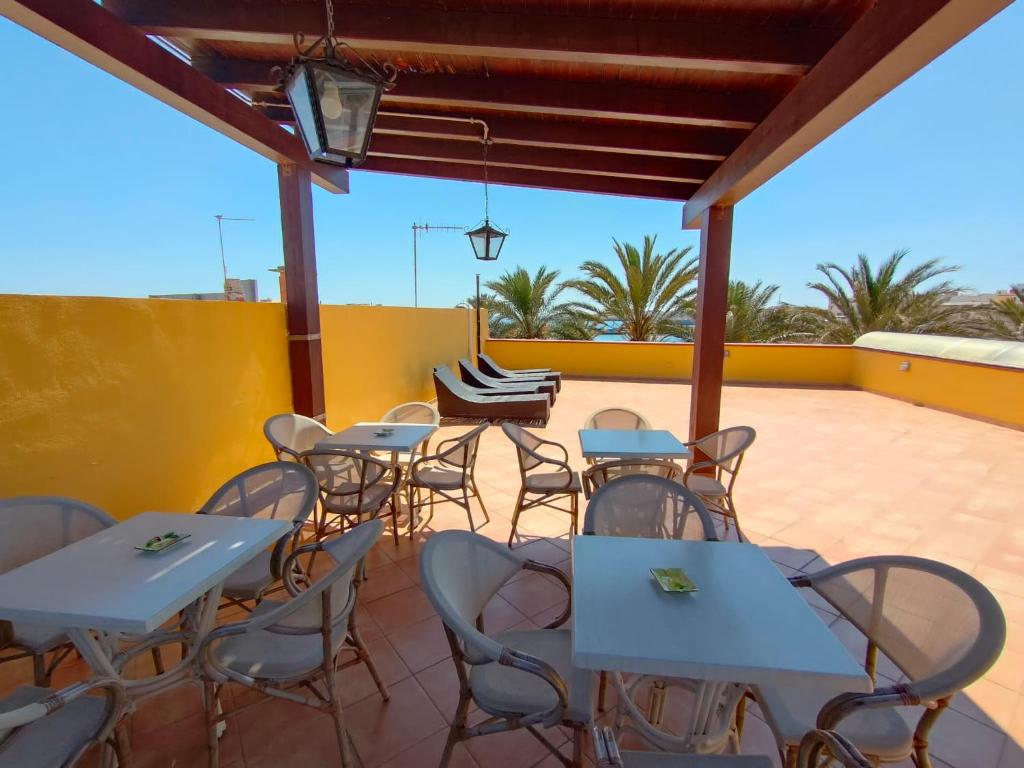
x: 723, y: 452
x: 412, y: 413
x: 519, y: 678
x: 354, y: 487
x: 616, y: 417
x: 599, y: 474
x: 284, y: 645
x: 32, y: 527
x: 278, y: 490
x: 817, y: 750
x: 649, y: 507
x: 544, y: 479
x: 938, y: 626
x: 291, y: 434
x: 448, y: 473
x: 41, y: 727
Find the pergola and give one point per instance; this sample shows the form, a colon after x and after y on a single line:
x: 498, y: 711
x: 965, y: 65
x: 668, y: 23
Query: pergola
x: 698, y: 101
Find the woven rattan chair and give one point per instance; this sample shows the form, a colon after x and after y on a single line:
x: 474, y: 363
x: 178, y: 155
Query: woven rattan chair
x: 291, y: 434
x: 939, y: 627
x: 616, y: 417
x: 284, y: 645
x: 412, y: 413
x: 41, y: 727
x: 648, y: 507
x: 30, y: 528
x: 519, y: 678
x: 545, y: 479
x: 599, y: 474
x: 278, y: 490
x: 722, y: 455
x: 818, y: 749
x: 448, y: 473
x: 354, y: 487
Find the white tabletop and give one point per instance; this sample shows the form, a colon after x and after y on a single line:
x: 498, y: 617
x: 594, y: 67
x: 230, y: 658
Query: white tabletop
x: 746, y: 624
x: 361, y: 437
x: 632, y: 444
x: 103, y: 582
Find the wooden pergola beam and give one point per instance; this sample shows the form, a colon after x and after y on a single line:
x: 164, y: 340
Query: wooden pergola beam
x: 610, y: 101
x: 543, y: 159
x: 520, y: 177
x: 708, y: 45
x: 891, y: 42
x: 94, y: 34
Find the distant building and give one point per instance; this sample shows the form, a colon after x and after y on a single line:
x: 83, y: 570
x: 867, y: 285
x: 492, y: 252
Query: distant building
x: 237, y: 290
x: 975, y: 299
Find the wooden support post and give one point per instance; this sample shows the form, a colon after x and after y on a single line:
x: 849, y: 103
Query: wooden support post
x: 303, y: 302
x: 712, y: 307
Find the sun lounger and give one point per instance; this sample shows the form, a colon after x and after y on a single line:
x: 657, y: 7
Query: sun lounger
x: 458, y: 400
x: 475, y: 378
x: 491, y: 368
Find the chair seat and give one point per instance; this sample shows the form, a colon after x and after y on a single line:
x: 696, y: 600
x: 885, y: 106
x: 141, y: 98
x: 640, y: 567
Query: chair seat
x: 879, y: 732
x: 374, y: 497
x: 38, y: 638
x: 249, y: 581
x: 668, y: 760
x: 501, y: 690
x: 52, y: 740
x: 705, y: 485
x: 437, y: 478
x: 549, y: 482
x: 271, y: 656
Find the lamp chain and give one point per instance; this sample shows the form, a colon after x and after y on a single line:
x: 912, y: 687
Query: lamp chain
x: 486, y: 144
x: 330, y: 20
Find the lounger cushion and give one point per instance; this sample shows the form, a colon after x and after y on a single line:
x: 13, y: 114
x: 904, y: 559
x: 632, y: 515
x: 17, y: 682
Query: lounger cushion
x: 500, y: 689
x: 52, y: 740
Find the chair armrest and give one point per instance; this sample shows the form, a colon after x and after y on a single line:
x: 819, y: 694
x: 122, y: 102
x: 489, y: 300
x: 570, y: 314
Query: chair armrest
x: 534, y: 666
x: 846, y: 704
x: 696, y: 467
x: 839, y: 748
x: 116, y: 696
x: 550, y: 570
x: 280, y: 546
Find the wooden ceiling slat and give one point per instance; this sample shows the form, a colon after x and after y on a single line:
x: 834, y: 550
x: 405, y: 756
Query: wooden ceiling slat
x: 626, y: 41
x: 661, y: 190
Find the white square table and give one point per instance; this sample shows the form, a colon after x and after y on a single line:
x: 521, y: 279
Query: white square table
x: 632, y: 444
x: 746, y: 624
x: 101, y: 584
x: 361, y: 437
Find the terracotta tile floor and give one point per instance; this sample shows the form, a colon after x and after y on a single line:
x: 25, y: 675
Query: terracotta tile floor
x: 833, y: 475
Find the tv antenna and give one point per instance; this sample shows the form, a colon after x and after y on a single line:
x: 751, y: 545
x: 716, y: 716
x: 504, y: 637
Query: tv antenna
x: 221, y: 218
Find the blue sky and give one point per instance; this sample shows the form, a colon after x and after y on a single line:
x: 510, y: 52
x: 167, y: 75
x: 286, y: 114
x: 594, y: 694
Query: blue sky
x: 116, y: 197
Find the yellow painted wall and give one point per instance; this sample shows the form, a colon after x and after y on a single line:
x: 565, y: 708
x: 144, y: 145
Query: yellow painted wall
x: 377, y: 357
x: 781, y: 363
x: 136, y: 404
x: 986, y: 391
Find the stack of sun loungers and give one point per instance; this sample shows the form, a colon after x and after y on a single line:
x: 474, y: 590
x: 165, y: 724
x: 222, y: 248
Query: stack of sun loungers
x: 494, y: 393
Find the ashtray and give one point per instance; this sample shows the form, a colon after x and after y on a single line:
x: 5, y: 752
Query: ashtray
x: 673, y: 580
x: 160, y: 543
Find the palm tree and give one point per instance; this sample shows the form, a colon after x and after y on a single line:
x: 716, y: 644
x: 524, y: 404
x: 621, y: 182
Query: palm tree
x: 750, y: 317
x: 496, y: 327
x: 1004, y: 319
x: 525, y: 307
x: 575, y: 326
x: 861, y: 300
x: 647, y: 299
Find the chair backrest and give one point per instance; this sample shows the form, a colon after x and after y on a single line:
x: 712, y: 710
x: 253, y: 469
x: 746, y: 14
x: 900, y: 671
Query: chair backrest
x: 277, y: 490
x: 290, y: 434
x: 341, y: 472
x: 616, y: 418
x: 939, y: 625
x: 604, y: 472
x: 526, y: 444
x: 460, y: 572
x: 648, y: 507
x: 304, y: 611
x: 34, y: 526
x: 461, y: 451
x: 412, y: 413
x: 727, y: 446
